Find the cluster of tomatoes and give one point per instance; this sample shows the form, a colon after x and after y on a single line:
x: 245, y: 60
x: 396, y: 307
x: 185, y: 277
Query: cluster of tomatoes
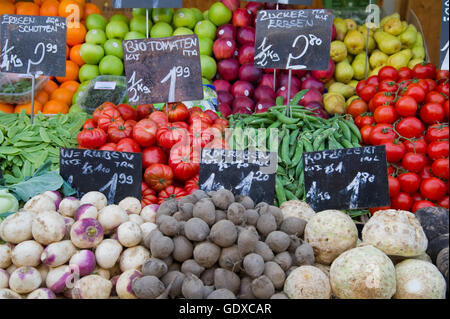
x: 407, y: 111
x: 170, y: 141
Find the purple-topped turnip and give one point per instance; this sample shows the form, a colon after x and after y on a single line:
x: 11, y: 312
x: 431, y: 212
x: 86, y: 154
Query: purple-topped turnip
x: 4, y: 279
x: 92, y: 287
x: 5, y: 256
x: 69, y: 206
x: 27, y: 253
x: 95, y: 198
x: 42, y: 293
x: 84, y: 260
x: 58, y: 278
x: 57, y: 254
x: 24, y: 280
x: 86, y: 211
x: 86, y: 233
x: 40, y: 203
x: 131, y: 205
x: 55, y: 196
x: 133, y: 258
x: 6, y: 293
x: 148, y: 213
x: 125, y: 282
x: 129, y: 234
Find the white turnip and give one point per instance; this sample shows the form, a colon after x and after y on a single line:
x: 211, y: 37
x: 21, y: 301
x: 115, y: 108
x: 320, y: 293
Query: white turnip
x: 43, y: 270
x: 92, y: 287
x: 4, y: 279
x: 5, y: 256
x: 16, y: 228
x: 131, y: 205
x: 125, y: 283
x: 59, y: 253
x: 69, y: 206
x: 95, y: 198
x: 48, y: 227
x: 84, y: 260
x: 11, y: 268
x: 129, y: 234
x: 58, y: 278
x: 24, y: 280
x: 104, y: 273
x: 107, y: 253
x: 69, y: 222
x: 86, y: 233
x: 27, y: 253
x: 9, y: 294
x: 136, y: 219
x: 55, y: 196
x: 146, y: 228
x: 86, y: 211
x: 133, y: 258
x: 111, y: 217
x: 42, y: 293
x: 40, y: 203
x: 148, y: 213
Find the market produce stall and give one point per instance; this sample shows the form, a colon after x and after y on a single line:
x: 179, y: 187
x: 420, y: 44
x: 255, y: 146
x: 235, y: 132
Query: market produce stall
x: 200, y: 155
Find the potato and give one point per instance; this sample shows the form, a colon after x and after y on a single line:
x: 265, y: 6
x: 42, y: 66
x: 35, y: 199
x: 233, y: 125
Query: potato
x: 220, y: 215
x: 183, y: 249
x: 190, y: 266
x: 205, y: 210
x: 223, y: 233
x: 221, y: 294
x: 222, y: 199
x: 280, y: 295
x: 226, y: 279
x: 207, y: 277
x: 307, y: 282
x: 245, y: 201
x: 148, y: 287
x: 196, y: 229
x: 295, y: 243
x: 206, y: 254
x: 253, y: 265
x: 278, y: 241
x: 161, y: 246
x: 230, y: 259
x: 167, y: 225
x: 192, y: 287
x: 168, y: 207
x: 154, y: 267
x: 276, y: 275
x: 304, y: 255
x: 175, y: 278
x: 330, y: 233
x: 247, y: 241
x: 284, y: 259
x: 293, y: 226
x: 245, y: 291
x: 187, y: 210
x: 264, y: 251
x: 266, y: 224
x: 199, y: 194
x: 262, y: 287
x: 251, y: 216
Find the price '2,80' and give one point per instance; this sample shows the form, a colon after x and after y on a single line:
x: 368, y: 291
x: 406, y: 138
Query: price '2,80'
x: 312, y: 40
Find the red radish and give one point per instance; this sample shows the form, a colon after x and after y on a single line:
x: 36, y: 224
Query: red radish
x: 248, y: 72
x: 226, y: 31
x: 243, y: 102
x: 228, y: 69
x: 267, y: 80
x: 283, y: 92
x: 325, y: 75
x: 222, y: 85
x: 254, y: 6
x: 312, y: 95
x: 246, y: 53
x: 242, y: 17
x: 246, y: 35
x: 225, y: 97
x: 242, y: 88
x: 263, y: 92
x: 312, y: 83
x: 264, y: 105
x: 224, y: 48
x: 224, y: 109
x: 283, y: 80
x: 231, y: 4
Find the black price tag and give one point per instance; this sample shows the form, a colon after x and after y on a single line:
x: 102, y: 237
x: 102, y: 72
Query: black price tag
x: 293, y: 39
x: 300, y: 2
x: 129, y: 4
x: 354, y: 178
x: 242, y: 172
x: 115, y: 174
x: 163, y: 70
x: 444, y: 36
x: 33, y: 45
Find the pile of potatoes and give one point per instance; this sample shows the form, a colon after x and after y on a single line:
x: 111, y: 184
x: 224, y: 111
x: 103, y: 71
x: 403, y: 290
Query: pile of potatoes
x: 218, y: 246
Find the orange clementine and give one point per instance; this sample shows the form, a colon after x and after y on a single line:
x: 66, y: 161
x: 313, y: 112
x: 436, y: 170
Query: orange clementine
x: 75, y: 55
x: 76, y: 35
x: 7, y: 7
x: 63, y: 95
x: 71, y: 86
x: 55, y: 107
x: 49, y: 8
x: 91, y: 8
x: 71, y: 72
x: 7, y: 108
x: 50, y: 87
x: 67, y: 8
x: 27, y: 8
x: 67, y: 51
x: 27, y: 107
x: 42, y: 97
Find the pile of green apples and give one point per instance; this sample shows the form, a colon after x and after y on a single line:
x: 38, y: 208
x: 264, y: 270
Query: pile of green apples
x: 395, y: 43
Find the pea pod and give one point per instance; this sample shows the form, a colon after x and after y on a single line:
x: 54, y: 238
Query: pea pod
x: 345, y: 130
x: 285, y: 149
x: 317, y: 144
x: 307, y: 145
x: 279, y: 191
x: 346, y: 143
x: 298, y: 154
x: 354, y: 129
x: 290, y: 195
x: 284, y: 119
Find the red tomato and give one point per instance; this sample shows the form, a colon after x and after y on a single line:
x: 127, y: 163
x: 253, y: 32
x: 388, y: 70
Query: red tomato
x: 148, y: 197
x: 424, y: 84
x: 414, y: 162
x: 213, y: 115
x: 419, y: 146
x: 432, y: 113
x: 144, y: 110
x: 409, y: 182
x: 443, y: 202
x: 364, y: 120
x: 185, y: 162
x: 417, y: 197
x: 446, y: 109
x: 108, y: 117
x: 416, y: 92
x: 402, y: 201
x: 437, y: 132
x: 222, y: 122
x: 127, y: 112
x: 406, y: 106
x: 118, y: 131
x: 158, y: 176
x: 394, y: 186
x: 99, y: 110
x: 169, y: 135
x: 441, y: 74
x: 388, y: 86
x: 128, y: 145
x: 394, y: 151
x: 388, y: 73
x: 360, y: 86
x: 373, y: 80
x: 200, y: 137
x: 382, y: 133
x: 178, y: 112
x: 181, y: 125
x: 440, y: 168
x: 443, y: 88
x: 390, y: 170
x: 201, y: 117
x: 366, y: 131
x: 426, y: 172
x: 195, y: 109
x: 385, y: 114
x: 144, y: 132
x: 410, y: 127
x: 90, y: 123
x: 421, y: 204
x: 153, y: 155
x: 381, y: 98
x: 373, y: 210
x: 437, y: 150
x: 91, y: 138
x: 368, y: 92
x: 159, y: 118
x: 433, y: 188
x: 404, y: 73
x: 357, y: 107
x: 424, y: 71
x: 434, y: 97
x: 191, y: 184
x: 171, y: 192
x: 108, y: 147
x: 431, y: 84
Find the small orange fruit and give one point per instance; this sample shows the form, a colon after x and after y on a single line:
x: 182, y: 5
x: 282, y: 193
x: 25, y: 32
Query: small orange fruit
x: 49, y: 8
x: 42, y: 97
x: 6, y: 108
x: 71, y: 86
x: 27, y: 107
x: 75, y: 55
x: 50, y: 87
x: 69, y: 7
x: 7, y: 7
x: 55, y: 107
x: 63, y: 95
x: 76, y: 34
x: 27, y: 8
x: 71, y: 72
x: 91, y: 8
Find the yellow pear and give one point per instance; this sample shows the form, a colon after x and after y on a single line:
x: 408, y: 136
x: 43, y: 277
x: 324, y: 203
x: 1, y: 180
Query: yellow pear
x: 383, y: 21
x: 338, y: 51
x: 377, y: 58
x: 408, y: 38
x: 393, y: 26
x: 413, y: 63
x: 344, y: 72
x: 400, y: 59
x: 329, y: 83
x: 359, y: 66
x: 351, y: 24
x: 418, y: 52
x: 375, y: 71
x: 341, y: 28
x: 343, y: 89
x: 353, y: 83
x: 387, y: 43
x: 354, y: 40
x: 352, y: 98
x: 404, y: 26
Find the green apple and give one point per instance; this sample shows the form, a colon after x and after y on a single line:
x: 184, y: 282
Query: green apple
x: 219, y: 14
x: 206, y: 15
x: 209, y: 67
x: 96, y: 21
x: 206, y: 81
x: 139, y: 24
x: 95, y: 36
x: 75, y: 108
x: 140, y: 12
x: 206, y: 46
x: 119, y: 17
x: 184, y: 18
x: 206, y: 28
x: 161, y: 30
x: 182, y: 31
x: 197, y: 14
x: 162, y: 15
x: 134, y: 35
x: 114, y: 47
x: 111, y: 65
x: 116, y: 30
x: 91, y: 53
x: 87, y: 73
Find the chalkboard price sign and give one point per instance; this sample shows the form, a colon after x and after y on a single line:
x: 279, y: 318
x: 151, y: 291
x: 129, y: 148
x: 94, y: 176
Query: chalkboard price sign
x: 128, y: 4
x: 115, y: 174
x: 347, y: 178
x: 33, y: 45
x: 163, y: 69
x: 293, y: 39
x: 242, y: 172
x: 444, y: 36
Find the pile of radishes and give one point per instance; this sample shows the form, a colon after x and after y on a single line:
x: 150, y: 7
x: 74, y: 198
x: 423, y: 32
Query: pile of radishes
x: 72, y: 248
